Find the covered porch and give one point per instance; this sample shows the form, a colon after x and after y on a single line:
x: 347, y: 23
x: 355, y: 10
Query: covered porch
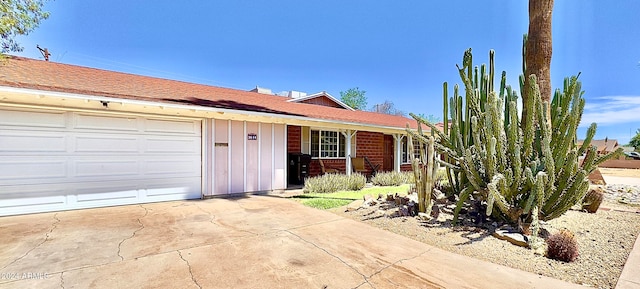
x: 346, y: 150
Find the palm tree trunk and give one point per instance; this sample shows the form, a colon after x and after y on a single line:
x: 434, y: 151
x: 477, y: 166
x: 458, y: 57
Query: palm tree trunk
x: 538, y: 51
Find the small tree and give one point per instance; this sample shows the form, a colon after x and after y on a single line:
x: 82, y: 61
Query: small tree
x: 18, y: 17
x: 355, y: 98
x: 430, y: 118
x: 387, y: 107
x: 635, y: 140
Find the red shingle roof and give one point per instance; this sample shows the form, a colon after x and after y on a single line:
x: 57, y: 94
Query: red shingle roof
x: 49, y: 76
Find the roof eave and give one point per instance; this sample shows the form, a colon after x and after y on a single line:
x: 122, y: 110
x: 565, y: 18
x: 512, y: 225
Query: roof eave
x: 183, y: 110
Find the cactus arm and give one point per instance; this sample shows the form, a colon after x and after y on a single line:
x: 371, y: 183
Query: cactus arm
x: 464, y: 196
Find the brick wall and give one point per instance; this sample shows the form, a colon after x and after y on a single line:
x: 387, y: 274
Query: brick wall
x: 405, y: 168
x: 338, y: 164
x: 371, y: 145
x: 294, y: 134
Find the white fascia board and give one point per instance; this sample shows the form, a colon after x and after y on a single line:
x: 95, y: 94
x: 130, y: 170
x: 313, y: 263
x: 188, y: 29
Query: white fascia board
x: 268, y: 117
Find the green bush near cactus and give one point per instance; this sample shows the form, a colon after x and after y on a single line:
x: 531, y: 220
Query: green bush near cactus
x: 341, y: 198
x: 330, y: 183
x: 392, y: 178
x: 492, y: 157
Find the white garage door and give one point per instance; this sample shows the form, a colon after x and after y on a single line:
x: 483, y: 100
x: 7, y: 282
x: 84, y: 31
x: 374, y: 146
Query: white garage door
x: 55, y: 160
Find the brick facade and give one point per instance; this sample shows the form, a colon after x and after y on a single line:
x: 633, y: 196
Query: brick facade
x: 294, y: 139
x: 405, y: 168
x: 315, y: 169
x: 370, y: 145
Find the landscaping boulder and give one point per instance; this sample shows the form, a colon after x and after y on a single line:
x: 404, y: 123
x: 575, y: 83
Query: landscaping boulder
x: 355, y: 205
x: 512, y: 236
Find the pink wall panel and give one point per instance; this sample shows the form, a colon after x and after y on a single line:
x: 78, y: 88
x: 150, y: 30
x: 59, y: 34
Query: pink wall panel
x: 221, y: 130
x: 252, y: 157
x: 221, y: 157
x: 280, y: 158
x: 236, y: 145
x: 265, y: 157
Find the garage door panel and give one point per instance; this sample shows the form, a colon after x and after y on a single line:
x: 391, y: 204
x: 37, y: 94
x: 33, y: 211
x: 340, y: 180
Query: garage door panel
x: 32, y: 119
x: 12, y: 193
x: 184, y: 188
x: 171, y: 167
x: 190, y: 145
x: 179, y: 127
x: 16, y: 142
x: 103, y: 193
x: 106, y: 143
x: 33, y: 205
x: 31, y: 169
x: 110, y: 168
x: 31, y: 199
x: 97, y: 160
x: 98, y: 122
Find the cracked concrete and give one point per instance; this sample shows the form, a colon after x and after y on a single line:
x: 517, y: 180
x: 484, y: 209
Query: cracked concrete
x: 258, y: 241
x: 391, y: 265
x: 146, y: 212
x: 53, y: 226
x: 366, y: 280
x: 190, y: 270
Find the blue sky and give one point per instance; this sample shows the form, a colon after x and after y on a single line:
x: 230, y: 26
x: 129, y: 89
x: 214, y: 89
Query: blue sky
x: 400, y: 51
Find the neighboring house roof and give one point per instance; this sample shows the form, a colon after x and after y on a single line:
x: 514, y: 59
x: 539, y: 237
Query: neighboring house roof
x: 322, y: 94
x: 603, y: 145
x: 19, y: 72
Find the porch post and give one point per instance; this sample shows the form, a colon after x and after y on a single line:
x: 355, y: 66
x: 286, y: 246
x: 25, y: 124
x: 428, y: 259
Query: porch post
x: 347, y: 136
x: 398, y: 151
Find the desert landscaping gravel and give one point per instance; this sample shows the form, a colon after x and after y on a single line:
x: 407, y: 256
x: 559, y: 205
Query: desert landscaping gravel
x: 604, y: 239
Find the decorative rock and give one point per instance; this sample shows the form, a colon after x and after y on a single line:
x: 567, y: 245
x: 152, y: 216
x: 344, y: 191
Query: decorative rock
x: 392, y: 213
x: 354, y: 205
x: 593, y: 199
x: 369, y: 203
x: 412, y: 207
x: 390, y: 197
x: 512, y: 236
x: 403, y: 211
x: 367, y: 197
x: 435, y: 211
x: 412, y: 197
x: 424, y: 216
x: 623, y: 193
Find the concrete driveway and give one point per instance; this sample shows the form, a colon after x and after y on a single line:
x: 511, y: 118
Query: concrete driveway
x: 252, y: 242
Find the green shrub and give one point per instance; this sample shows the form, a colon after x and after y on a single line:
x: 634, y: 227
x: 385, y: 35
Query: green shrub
x: 330, y: 183
x: 392, y: 178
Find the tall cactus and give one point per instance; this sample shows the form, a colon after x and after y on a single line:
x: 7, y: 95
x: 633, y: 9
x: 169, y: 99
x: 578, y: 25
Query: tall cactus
x: 517, y: 170
x: 424, y: 169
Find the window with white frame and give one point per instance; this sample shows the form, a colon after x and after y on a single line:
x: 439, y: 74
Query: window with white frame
x: 327, y: 144
x: 406, y: 158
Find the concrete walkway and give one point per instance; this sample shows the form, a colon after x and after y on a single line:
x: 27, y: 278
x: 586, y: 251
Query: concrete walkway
x: 252, y: 242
